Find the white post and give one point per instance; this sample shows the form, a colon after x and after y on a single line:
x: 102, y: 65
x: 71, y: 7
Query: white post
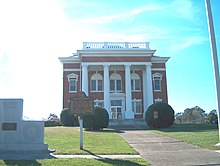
x: 81, y: 132
x: 214, y: 58
x: 107, y: 89
x: 85, y: 79
x: 129, y: 113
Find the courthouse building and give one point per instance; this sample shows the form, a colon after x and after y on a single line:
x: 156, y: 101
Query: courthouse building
x: 123, y: 77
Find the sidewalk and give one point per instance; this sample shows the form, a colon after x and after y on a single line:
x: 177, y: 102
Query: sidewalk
x: 165, y: 151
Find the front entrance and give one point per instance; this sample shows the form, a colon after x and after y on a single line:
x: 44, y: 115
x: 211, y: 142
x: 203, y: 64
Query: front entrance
x: 116, y: 112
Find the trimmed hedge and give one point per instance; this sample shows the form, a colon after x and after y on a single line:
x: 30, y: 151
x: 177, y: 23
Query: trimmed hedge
x: 68, y: 119
x: 98, y: 121
x: 165, y: 115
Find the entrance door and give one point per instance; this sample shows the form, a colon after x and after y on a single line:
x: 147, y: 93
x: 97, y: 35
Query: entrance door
x: 116, y: 112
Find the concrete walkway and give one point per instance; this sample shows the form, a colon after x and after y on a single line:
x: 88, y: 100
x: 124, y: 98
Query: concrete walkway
x: 98, y: 156
x: 165, y: 151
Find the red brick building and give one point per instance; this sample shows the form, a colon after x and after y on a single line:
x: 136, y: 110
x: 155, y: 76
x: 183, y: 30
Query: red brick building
x: 124, y: 77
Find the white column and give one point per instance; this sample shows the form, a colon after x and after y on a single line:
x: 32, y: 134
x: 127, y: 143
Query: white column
x: 129, y: 113
x: 145, y: 103
x: 149, y: 89
x: 106, y: 90
x: 85, y: 79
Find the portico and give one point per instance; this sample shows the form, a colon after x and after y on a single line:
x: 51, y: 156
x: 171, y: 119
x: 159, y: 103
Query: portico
x: 118, y: 99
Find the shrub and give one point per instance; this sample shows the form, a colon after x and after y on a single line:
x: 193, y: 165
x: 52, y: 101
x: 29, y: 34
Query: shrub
x: 165, y: 115
x: 51, y: 123
x: 97, y: 121
x: 68, y: 119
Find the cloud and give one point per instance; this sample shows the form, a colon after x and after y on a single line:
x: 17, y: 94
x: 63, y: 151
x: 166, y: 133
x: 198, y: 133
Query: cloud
x: 186, y: 42
x: 124, y: 15
x: 154, y: 7
x: 184, y: 9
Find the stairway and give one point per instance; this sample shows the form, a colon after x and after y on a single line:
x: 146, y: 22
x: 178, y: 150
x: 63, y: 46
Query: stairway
x: 127, y: 124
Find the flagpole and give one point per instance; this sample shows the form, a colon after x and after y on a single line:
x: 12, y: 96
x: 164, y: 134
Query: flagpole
x: 214, y: 58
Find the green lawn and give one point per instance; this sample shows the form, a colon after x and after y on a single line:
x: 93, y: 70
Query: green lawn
x: 66, y: 141
x: 202, y: 135
x: 77, y: 162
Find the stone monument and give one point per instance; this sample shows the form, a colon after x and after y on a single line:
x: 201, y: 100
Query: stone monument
x: 17, y: 134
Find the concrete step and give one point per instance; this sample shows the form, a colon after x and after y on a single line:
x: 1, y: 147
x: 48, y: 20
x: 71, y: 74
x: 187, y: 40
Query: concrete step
x: 127, y: 124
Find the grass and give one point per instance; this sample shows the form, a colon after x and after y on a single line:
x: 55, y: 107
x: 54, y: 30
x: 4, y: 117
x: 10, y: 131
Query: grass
x: 76, y: 162
x: 66, y: 141
x: 202, y: 135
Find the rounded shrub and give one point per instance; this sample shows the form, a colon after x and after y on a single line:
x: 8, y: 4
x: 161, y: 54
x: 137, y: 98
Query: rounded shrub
x: 68, y: 119
x: 159, y: 115
x: 97, y: 121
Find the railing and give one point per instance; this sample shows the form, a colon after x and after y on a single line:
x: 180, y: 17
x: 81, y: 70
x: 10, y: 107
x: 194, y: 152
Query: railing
x: 116, y: 45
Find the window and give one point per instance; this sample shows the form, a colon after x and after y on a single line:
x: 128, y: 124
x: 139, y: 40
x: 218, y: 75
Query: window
x: 96, y: 83
x: 137, y: 106
x: 157, y: 78
x: 115, y: 83
x: 116, y: 102
x: 72, y: 78
x: 158, y: 100
x: 135, y: 82
x: 99, y: 103
x: 72, y: 84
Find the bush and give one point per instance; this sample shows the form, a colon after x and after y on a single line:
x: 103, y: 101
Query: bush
x: 165, y: 115
x: 68, y: 119
x: 97, y: 121
x: 51, y: 123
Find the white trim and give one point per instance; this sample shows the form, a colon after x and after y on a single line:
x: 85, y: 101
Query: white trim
x: 158, y: 100
x: 116, y: 63
x: 73, y: 75
x: 157, y: 75
x: 156, y: 59
x: 72, y: 69
x: 158, y: 69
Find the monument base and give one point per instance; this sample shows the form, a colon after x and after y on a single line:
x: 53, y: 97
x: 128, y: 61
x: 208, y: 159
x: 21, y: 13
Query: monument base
x: 24, y: 147
x: 25, y: 155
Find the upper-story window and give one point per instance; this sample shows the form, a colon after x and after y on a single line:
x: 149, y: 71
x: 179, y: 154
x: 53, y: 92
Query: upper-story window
x: 96, y: 83
x: 135, y: 82
x: 115, y: 83
x: 157, y: 78
x: 72, y: 79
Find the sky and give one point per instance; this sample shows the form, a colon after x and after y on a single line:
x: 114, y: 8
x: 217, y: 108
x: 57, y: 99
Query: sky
x: 33, y: 34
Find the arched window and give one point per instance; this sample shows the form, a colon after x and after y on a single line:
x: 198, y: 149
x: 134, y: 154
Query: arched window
x: 96, y: 83
x: 157, y: 78
x: 115, y: 83
x: 135, y: 82
x: 72, y: 79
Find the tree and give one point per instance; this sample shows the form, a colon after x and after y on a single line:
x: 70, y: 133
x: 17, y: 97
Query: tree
x: 212, y: 117
x: 52, y: 117
x: 191, y: 115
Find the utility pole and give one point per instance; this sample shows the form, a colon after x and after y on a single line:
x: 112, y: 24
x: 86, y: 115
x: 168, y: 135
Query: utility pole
x: 214, y: 58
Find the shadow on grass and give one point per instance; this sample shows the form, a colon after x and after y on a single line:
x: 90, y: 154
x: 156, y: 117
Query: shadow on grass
x: 93, y: 154
x: 188, y: 128
x: 106, y: 130
x: 22, y: 162
x: 121, y: 162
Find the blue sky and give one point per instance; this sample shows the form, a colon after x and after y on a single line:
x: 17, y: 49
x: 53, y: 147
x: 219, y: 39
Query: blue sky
x: 35, y: 33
